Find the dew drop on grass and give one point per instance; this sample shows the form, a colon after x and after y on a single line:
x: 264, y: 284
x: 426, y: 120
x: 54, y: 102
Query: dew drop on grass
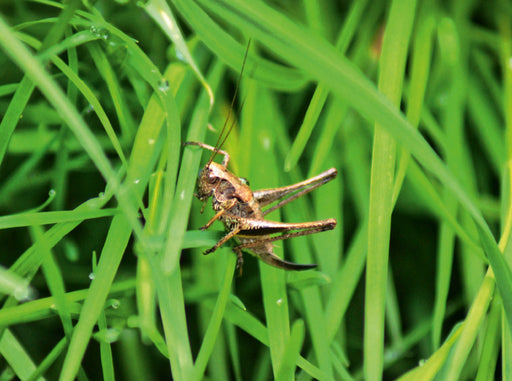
x: 109, y: 335
x: 163, y: 85
x: 89, y: 109
x: 91, y: 276
x: 115, y: 303
x: 151, y: 141
x: 279, y: 302
x: 136, y: 181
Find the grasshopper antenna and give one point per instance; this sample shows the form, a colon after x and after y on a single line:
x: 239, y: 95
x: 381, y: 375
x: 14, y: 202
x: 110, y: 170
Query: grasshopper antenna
x: 225, y: 133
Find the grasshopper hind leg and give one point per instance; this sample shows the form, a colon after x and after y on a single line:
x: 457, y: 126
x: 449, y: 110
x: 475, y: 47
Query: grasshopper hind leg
x: 267, y: 255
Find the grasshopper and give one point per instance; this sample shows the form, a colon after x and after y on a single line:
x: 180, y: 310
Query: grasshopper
x: 240, y: 209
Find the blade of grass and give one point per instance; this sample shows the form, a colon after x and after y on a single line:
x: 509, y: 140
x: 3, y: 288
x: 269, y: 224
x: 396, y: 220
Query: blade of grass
x: 56, y: 97
x: 321, y: 92
x: 291, y: 352
x: 256, y: 329
x: 262, y: 168
x: 26, y: 87
x: 162, y: 14
x: 107, y: 362
x: 505, y: 29
x: 215, y: 323
x: 470, y: 329
x: 231, y: 52
x: 302, y: 253
x: 54, y: 279
x: 142, y: 158
x: 428, y: 370
x: 16, y: 356
x: 44, y: 307
x: 392, y: 65
x: 54, y: 354
x: 491, y: 345
x: 45, y: 218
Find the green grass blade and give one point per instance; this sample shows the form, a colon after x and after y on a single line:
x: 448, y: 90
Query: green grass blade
x: 16, y: 356
x: 45, y: 218
x: 392, y: 64
x: 54, y: 354
x: 231, y: 52
x: 491, y: 345
x: 321, y: 92
x: 141, y: 159
x: 215, y: 323
x: 54, y: 280
x: 470, y: 330
x: 163, y: 16
x: 291, y: 352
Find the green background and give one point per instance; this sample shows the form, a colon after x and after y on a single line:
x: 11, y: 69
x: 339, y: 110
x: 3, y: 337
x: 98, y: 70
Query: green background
x: 101, y: 271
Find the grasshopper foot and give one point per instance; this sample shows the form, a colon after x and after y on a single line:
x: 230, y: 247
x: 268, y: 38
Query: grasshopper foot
x: 210, y: 250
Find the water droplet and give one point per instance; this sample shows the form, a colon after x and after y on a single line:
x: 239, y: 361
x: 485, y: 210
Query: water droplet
x: 151, y: 141
x: 421, y: 362
x: 105, y: 34
x: 91, y: 276
x: 52, y: 193
x: 136, y: 181
x: 115, y: 303
x: 89, y: 109
x: 279, y: 301
x: 182, y: 195
x: 111, y: 335
x: 163, y: 85
x: 93, y: 29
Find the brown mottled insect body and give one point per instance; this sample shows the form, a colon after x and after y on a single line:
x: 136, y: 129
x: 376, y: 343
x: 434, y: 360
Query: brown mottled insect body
x: 240, y: 210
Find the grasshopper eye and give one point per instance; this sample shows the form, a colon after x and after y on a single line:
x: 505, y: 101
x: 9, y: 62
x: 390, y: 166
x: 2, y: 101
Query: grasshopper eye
x: 244, y: 181
x: 210, y: 177
x: 206, y: 175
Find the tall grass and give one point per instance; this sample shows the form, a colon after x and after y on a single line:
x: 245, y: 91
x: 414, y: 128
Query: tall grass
x: 101, y: 269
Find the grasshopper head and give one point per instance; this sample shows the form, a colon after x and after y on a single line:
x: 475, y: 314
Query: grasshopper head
x: 214, y: 179
x: 209, y: 178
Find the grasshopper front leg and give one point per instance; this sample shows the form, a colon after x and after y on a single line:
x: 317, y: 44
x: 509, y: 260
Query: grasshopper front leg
x: 219, y: 214
x: 223, y: 240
